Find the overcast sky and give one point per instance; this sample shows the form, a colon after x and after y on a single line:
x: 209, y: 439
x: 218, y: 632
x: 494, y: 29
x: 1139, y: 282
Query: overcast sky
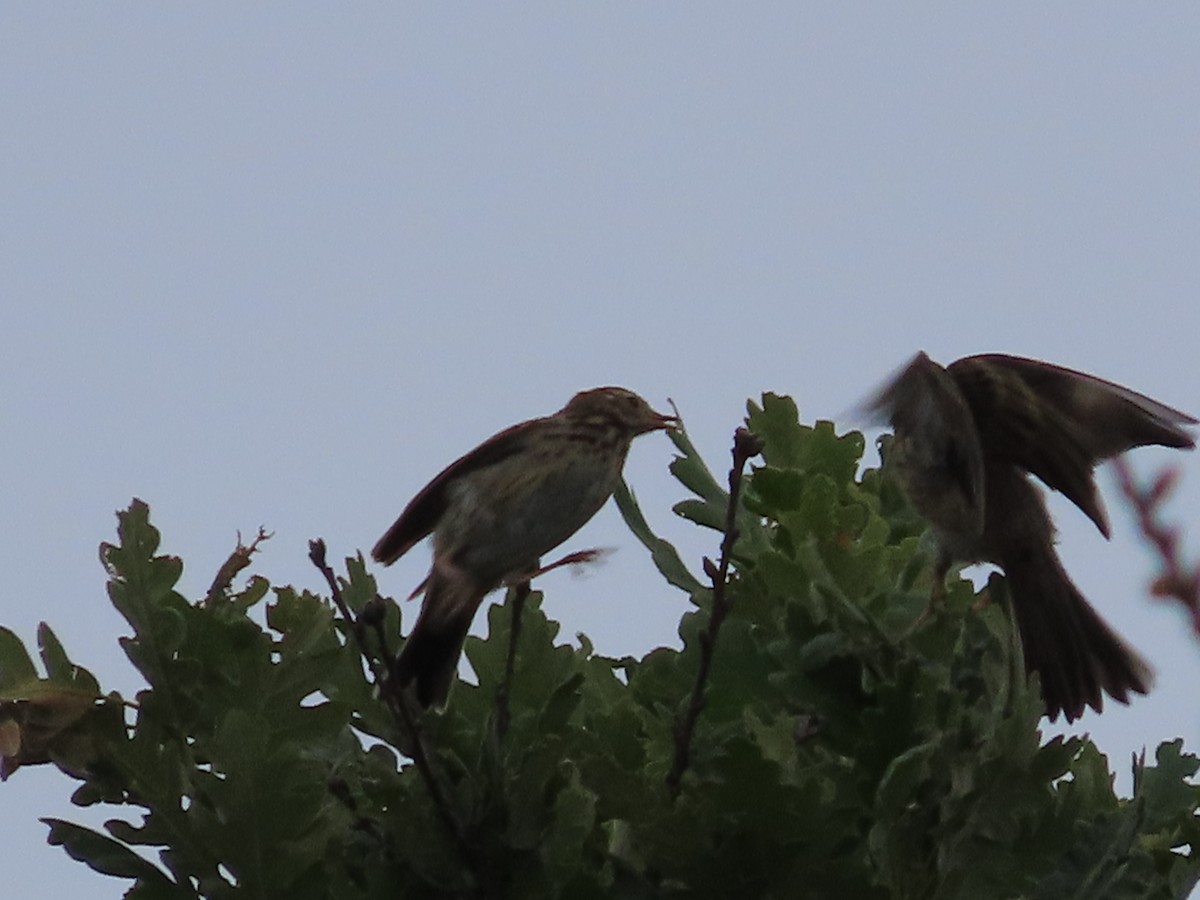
x: 276, y: 264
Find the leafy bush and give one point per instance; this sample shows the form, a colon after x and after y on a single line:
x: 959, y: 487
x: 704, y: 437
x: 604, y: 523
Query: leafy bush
x: 838, y: 743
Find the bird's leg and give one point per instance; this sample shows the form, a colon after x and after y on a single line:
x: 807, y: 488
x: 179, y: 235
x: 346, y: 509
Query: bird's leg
x: 419, y: 589
x: 578, y: 558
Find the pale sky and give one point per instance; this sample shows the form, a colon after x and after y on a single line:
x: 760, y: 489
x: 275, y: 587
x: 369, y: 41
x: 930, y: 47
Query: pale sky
x: 276, y: 264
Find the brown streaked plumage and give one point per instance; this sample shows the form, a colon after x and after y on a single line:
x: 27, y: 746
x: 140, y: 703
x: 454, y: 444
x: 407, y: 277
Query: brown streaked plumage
x: 496, y: 510
x: 965, y: 437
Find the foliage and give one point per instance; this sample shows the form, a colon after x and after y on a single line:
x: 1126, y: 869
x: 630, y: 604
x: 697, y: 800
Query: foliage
x: 847, y: 746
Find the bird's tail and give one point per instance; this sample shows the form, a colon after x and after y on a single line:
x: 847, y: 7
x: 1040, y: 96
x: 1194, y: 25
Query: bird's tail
x: 430, y: 655
x: 1078, y: 656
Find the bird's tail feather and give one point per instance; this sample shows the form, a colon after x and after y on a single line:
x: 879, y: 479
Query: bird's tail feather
x: 429, y: 657
x: 1078, y: 656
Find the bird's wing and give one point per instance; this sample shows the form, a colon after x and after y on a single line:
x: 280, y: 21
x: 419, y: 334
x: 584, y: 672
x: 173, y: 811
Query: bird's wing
x: 1021, y: 424
x: 421, y: 515
x: 931, y: 416
x: 1058, y: 423
x: 1114, y: 417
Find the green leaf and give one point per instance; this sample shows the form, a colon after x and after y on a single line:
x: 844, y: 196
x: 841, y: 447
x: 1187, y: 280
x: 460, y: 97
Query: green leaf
x: 109, y: 857
x: 692, y: 472
x: 16, y: 666
x: 59, y: 667
x: 777, y: 422
x: 666, y: 558
x: 54, y: 657
x: 903, y: 776
x: 574, y: 819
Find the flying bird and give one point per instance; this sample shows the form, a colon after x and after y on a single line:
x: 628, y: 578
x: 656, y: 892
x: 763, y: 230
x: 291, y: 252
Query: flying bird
x: 966, y: 438
x: 494, y: 512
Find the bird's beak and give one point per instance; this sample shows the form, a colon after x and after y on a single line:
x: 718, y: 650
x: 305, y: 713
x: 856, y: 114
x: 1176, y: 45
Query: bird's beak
x: 666, y: 423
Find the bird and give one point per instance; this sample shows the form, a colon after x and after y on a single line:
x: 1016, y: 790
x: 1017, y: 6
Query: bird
x: 495, y: 511
x: 967, y: 437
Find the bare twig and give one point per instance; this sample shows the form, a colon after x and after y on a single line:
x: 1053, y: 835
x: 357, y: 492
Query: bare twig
x: 316, y: 553
x: 398, y: 706
x: 238, y: 560
x: 1176, y: 580
x: 745, y: 446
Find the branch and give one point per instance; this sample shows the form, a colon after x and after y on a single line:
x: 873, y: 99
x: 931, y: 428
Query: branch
x: 238, y: 560
x: 1176, y: 580
x: 745, y: 446
x: 398, y: 706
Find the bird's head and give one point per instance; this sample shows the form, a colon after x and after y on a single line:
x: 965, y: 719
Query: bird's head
x: 617, y: 407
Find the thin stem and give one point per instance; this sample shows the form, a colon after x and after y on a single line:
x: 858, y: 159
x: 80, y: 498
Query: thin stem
x: 745, y: 446
x: 503, y: 692
x: 1176, y: 580
x: 521, y: 590
x: 398, y: 706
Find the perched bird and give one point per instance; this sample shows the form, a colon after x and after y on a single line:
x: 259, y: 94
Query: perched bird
x: 496, y: 510
x: 965, y: 438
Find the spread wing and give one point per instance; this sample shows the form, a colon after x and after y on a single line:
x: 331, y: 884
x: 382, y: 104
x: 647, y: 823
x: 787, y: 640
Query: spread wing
x: 1059, y: 424
x: 421, y: 515
x: 1112, y: 417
